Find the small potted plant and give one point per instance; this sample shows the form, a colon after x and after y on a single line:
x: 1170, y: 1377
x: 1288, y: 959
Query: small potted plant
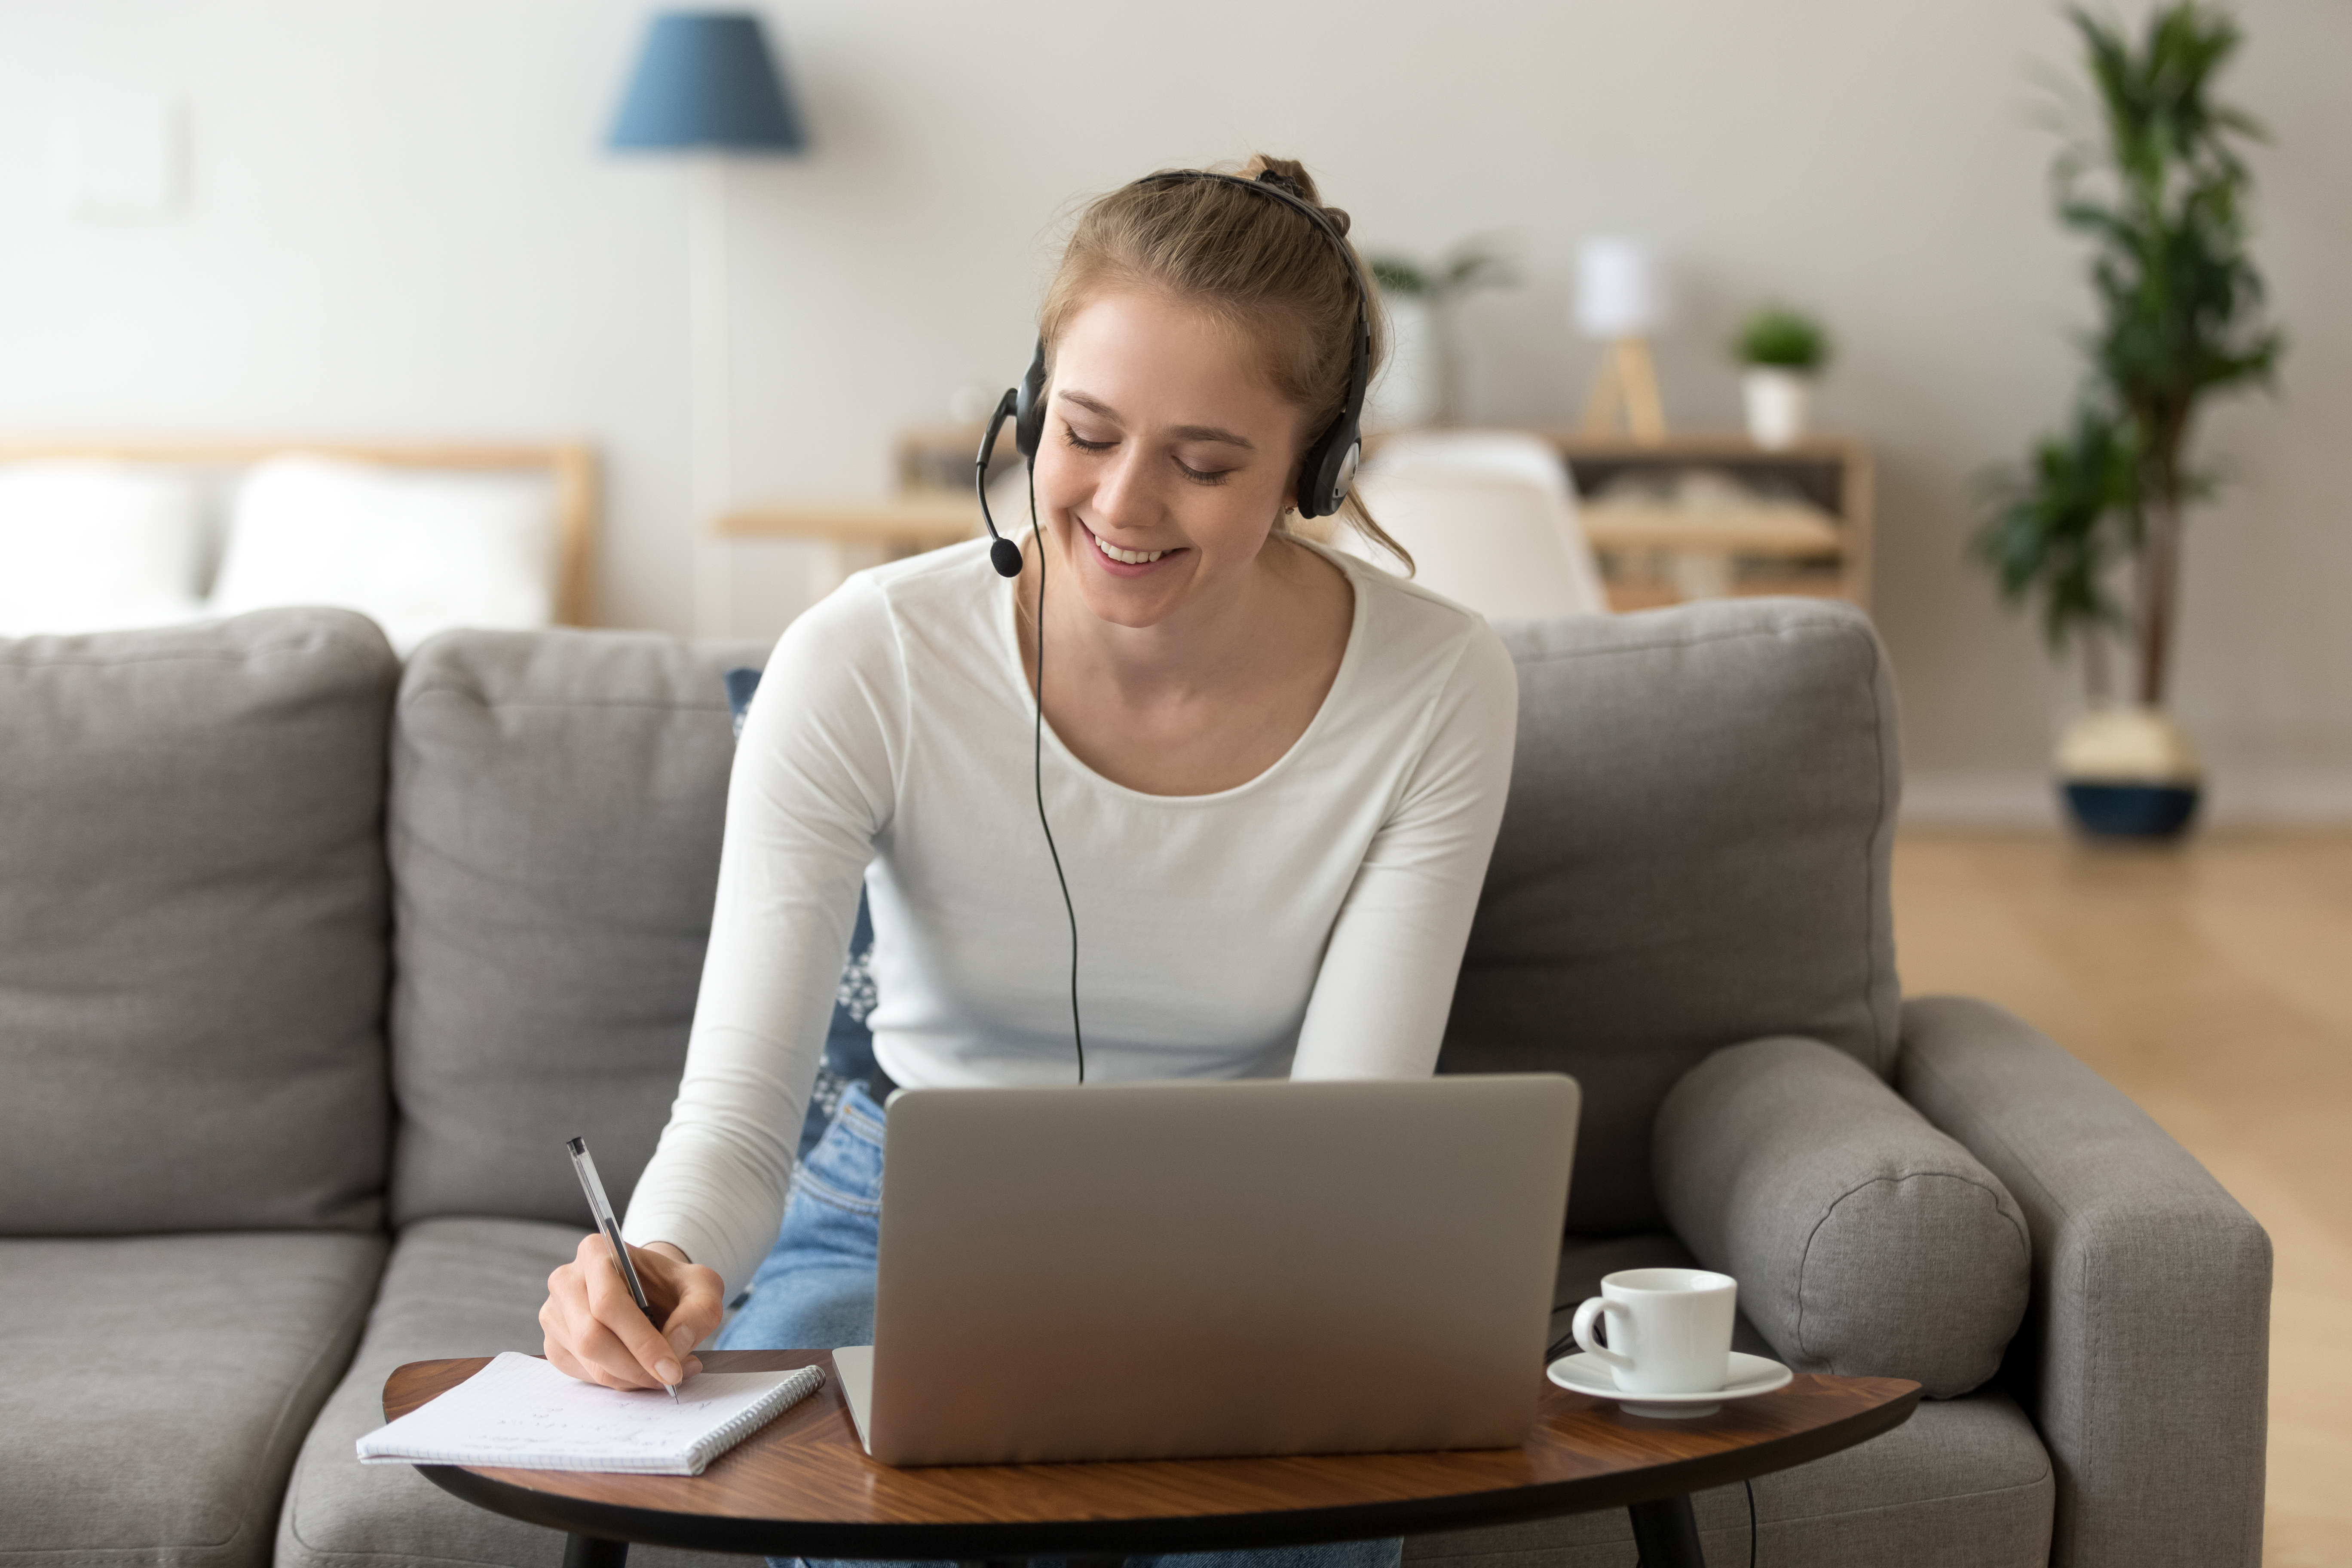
x: 1422, y: 383
x: 1780, y: 351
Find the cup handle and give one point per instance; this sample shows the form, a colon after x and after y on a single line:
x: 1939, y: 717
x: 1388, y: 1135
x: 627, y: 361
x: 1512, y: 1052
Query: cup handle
x: 1586, y: 1315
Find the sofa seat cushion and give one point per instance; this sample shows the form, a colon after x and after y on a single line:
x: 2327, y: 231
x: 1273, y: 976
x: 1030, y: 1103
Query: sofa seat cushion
x: 453, y: 1288
x: 1965, y: 1483
x: 158, y: 1387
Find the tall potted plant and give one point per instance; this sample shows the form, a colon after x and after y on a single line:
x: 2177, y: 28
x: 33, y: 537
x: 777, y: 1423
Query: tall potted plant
x: 2091, y: 524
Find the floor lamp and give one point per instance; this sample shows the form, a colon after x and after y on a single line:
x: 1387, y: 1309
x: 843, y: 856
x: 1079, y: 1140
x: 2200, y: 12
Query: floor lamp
x: 706, y: 85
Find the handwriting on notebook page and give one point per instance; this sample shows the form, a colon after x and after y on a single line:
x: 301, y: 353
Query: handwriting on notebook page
x: 520, y: 1411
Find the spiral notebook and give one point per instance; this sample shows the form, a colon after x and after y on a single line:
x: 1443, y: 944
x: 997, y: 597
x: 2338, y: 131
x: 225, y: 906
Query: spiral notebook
x: 520, y: 1413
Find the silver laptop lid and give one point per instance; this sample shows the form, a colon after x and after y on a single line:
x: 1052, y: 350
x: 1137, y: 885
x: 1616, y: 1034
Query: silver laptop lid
x: 1175, y: 1270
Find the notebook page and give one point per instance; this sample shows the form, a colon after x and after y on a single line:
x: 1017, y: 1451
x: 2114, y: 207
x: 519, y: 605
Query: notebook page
x: 520, y: 1411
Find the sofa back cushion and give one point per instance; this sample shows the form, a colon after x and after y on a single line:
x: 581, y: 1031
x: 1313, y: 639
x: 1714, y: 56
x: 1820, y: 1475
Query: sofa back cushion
x: 1695, y: 853
x: 193, y: 927
x: 556, y: 804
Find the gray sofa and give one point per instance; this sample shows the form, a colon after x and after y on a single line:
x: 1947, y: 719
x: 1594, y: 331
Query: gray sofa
x: 308, y: 963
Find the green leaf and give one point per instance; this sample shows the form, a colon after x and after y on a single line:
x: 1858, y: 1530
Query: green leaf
x: 1783, y: 339
x: 1471, y: 265
x: 2054, y: 527
x: 1400, y: 275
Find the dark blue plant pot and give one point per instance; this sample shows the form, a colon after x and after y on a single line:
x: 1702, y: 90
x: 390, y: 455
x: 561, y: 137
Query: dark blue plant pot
x: 2132, y: 811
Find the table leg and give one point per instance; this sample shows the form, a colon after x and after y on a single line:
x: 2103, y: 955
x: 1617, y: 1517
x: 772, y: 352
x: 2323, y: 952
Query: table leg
x: 592, y: 1551
x: 1665, y: 1534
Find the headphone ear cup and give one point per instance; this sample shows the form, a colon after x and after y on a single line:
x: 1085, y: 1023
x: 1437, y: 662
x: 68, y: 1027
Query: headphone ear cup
x: 1029, y: 419
x: 1328, y: 468
x: 1315, y: 472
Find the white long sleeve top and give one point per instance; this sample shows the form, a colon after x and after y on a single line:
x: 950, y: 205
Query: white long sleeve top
x: 1308, y: 922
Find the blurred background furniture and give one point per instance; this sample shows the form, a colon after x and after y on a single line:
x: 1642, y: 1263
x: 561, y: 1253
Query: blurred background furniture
x: 1488, y: 517
x: 854, y: 532
x: 931, y: 506
x: 1510, y: 523
x: 1693, y: 516
x: 421, y: 536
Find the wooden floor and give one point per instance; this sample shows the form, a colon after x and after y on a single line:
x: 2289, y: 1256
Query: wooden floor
x: 2213, y: 984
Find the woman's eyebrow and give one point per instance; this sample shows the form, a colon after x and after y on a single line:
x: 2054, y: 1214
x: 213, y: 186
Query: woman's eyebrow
x: 1212, y: 433
x: 1181, y: 432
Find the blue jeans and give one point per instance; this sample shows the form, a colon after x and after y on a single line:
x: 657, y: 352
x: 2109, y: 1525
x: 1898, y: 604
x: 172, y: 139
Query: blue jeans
x: 816, y: 1291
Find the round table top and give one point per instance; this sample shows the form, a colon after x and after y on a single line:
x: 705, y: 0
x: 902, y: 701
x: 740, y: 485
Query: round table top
x: 803, y: 1485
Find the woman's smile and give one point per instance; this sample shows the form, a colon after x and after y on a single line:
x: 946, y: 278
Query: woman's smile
x: 1122, y: 562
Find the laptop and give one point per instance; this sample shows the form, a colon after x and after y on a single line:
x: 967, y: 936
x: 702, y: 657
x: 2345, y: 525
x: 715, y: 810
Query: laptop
x: 1190, y: 1270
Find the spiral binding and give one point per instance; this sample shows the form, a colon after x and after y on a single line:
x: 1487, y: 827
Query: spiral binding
x: 773, y: 1404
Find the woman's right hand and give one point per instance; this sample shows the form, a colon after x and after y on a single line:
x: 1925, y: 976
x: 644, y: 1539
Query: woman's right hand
x: 595, y: 1332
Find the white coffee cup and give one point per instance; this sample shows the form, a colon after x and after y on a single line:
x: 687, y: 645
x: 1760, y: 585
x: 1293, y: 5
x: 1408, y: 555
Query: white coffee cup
x: 1669, y: 1328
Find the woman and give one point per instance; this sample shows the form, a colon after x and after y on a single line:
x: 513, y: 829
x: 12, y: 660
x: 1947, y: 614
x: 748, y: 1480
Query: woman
x: 1273, y: 776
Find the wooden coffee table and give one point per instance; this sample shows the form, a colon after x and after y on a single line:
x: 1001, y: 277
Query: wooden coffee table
x: 802, y: 1486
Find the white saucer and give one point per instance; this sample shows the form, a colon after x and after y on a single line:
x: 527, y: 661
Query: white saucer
x: 1750, y: 1375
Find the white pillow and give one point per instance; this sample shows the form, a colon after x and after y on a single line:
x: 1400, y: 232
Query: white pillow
x: 418, y: 551
x: 93, y: 547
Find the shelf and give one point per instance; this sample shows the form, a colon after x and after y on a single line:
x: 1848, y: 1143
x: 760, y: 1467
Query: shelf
x: 1819, y: 550
x: 919, y: 521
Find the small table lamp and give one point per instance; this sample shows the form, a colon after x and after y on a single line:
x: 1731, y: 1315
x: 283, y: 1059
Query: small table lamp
x: 706, y: 85
x: 1621, y: 299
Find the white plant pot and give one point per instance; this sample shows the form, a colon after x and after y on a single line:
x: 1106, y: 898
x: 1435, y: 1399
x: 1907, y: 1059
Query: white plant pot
x: 1407, y: 391
x: 1777, y: 402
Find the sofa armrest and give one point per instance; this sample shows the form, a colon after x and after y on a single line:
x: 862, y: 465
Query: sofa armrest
x: 2145, y: 1354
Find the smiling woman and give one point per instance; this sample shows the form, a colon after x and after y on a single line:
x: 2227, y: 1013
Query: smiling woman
x: 1272, y: 771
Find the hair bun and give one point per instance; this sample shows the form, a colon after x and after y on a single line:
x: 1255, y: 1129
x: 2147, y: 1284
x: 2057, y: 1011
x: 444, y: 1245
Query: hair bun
x: 1288, y: 174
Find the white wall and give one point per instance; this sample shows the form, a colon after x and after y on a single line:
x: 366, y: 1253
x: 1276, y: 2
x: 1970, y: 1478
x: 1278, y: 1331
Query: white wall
x: 401, y: 223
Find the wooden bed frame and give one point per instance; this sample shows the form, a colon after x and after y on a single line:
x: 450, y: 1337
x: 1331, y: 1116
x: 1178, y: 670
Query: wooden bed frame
x: 569, y: 466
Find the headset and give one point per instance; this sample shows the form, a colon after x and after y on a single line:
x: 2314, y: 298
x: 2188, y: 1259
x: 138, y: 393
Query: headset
x: 1326, y: 471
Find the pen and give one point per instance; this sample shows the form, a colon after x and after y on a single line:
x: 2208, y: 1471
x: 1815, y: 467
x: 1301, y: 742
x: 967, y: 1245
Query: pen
x: 599, y: 1206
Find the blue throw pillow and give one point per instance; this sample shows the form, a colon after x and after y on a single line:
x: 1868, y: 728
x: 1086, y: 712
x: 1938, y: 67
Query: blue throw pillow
x: 848, y: 1043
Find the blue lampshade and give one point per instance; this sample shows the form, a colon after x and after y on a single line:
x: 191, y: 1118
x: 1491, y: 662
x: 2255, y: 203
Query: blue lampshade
x: 706, y: 78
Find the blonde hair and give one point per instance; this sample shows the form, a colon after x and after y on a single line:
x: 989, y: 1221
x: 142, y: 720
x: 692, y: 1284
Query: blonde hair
x: 1254, y: 264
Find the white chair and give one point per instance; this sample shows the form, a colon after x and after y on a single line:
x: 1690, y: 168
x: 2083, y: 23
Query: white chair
x: 1490, y: 519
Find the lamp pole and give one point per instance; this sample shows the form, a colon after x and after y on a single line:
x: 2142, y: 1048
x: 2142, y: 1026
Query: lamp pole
x: 710, y: 400
x: 707, y: 85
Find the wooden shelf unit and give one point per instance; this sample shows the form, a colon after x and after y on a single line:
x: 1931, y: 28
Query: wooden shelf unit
x: 1832, y: 471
